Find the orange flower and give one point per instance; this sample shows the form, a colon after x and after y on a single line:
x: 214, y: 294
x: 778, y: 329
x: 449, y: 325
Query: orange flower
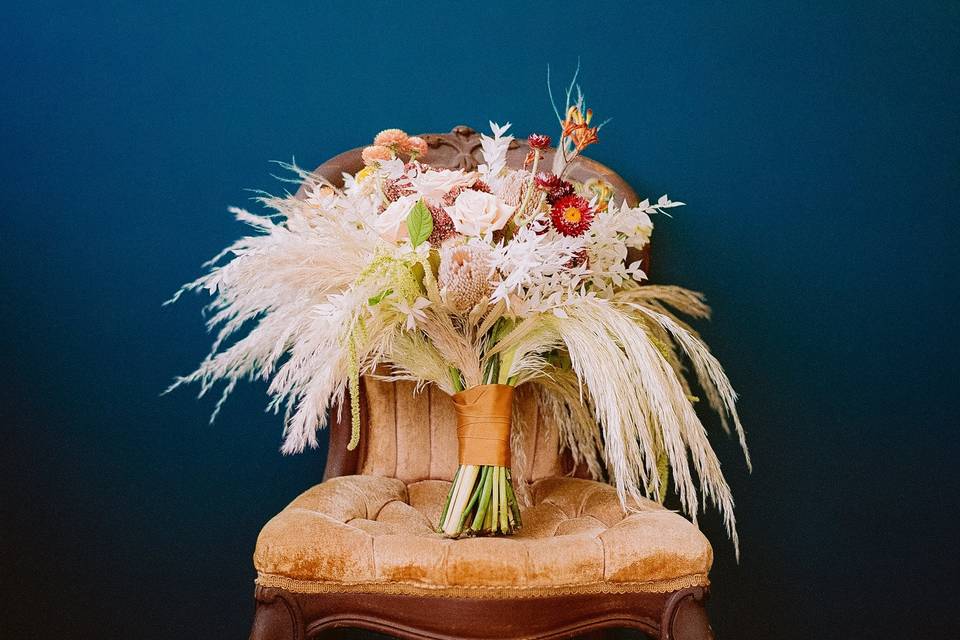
x: 577, y: 128
x: 416, y: 147
x: 376, y: 153
x: 393, y: 138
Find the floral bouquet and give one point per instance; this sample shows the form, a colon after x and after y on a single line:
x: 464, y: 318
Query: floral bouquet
x: 476, y: 282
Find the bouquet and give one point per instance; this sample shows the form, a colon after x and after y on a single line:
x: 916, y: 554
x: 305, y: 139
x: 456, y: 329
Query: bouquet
x: 477, y: 281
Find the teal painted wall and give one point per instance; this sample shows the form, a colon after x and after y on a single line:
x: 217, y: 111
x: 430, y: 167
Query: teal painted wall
x: 816, y: 145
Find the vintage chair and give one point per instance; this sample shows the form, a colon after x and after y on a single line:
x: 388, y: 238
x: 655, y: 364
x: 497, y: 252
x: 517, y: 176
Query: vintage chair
x: 360, y: 549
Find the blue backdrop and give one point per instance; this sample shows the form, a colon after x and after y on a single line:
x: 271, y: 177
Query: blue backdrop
x: 816, y: 145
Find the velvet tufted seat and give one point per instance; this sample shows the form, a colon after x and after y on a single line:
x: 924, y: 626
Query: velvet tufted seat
x: 371, y: 533
x: 361, y: 550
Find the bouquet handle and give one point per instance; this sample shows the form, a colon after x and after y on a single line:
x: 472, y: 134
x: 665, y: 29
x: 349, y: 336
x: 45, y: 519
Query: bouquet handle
x: 482, y: 499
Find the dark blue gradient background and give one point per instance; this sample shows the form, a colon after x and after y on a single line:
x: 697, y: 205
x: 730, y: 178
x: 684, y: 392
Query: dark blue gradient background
x: 816, y: 145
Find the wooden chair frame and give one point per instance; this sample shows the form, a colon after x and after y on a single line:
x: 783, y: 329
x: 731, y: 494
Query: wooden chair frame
x: 285, y: 615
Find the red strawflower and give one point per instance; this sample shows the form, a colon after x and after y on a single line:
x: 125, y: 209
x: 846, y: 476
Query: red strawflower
x: 555, y: 187
x: 571, y: 215
x: 539, y: 141
x: 545, y: 180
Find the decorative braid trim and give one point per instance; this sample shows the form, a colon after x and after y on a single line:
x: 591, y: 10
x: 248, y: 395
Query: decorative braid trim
x: 412, y: 589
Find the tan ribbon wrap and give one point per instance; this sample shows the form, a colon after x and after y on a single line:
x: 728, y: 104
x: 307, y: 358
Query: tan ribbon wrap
x: 483, y: 424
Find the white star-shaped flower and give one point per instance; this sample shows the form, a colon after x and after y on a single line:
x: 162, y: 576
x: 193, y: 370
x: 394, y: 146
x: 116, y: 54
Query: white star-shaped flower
x: 414, y: 312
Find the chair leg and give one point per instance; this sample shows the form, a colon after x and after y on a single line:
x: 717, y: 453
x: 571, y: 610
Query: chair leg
x: 685, y: 617
x: 277, y: 617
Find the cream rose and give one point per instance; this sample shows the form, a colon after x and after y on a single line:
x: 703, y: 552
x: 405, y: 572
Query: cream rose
x: 391, y: 225
x: 475, y: 213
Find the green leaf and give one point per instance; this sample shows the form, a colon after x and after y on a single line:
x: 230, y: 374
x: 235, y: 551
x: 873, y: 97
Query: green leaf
x: 419, y: 223
x: 377, y: 299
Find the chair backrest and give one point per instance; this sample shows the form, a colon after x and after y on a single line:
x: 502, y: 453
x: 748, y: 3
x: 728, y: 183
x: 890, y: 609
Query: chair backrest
x: 413, y: 436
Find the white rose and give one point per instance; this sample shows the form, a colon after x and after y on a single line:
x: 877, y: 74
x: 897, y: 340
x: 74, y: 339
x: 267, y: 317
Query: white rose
x: 391, y: 225
x: 391, y: 169
x: 433, y: 185
x: 475, y: 213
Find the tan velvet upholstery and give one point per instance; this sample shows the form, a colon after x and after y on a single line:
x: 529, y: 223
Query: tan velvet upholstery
x: 414, y: 436
x: 376, y: 531
x: 370, y: 529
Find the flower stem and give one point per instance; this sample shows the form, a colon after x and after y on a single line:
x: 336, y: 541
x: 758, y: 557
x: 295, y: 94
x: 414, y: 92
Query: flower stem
x: 504, y: 524
x: 461, y: 496
x: 484, y: 500
x: 481, y: 501
x: 533, y: 175
x: 446, y: 505
x: 456, y: 379
x: 478, y: 487
x: 514, y: 507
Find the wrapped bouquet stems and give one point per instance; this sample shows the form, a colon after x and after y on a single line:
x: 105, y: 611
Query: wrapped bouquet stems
x: 481, y: 499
